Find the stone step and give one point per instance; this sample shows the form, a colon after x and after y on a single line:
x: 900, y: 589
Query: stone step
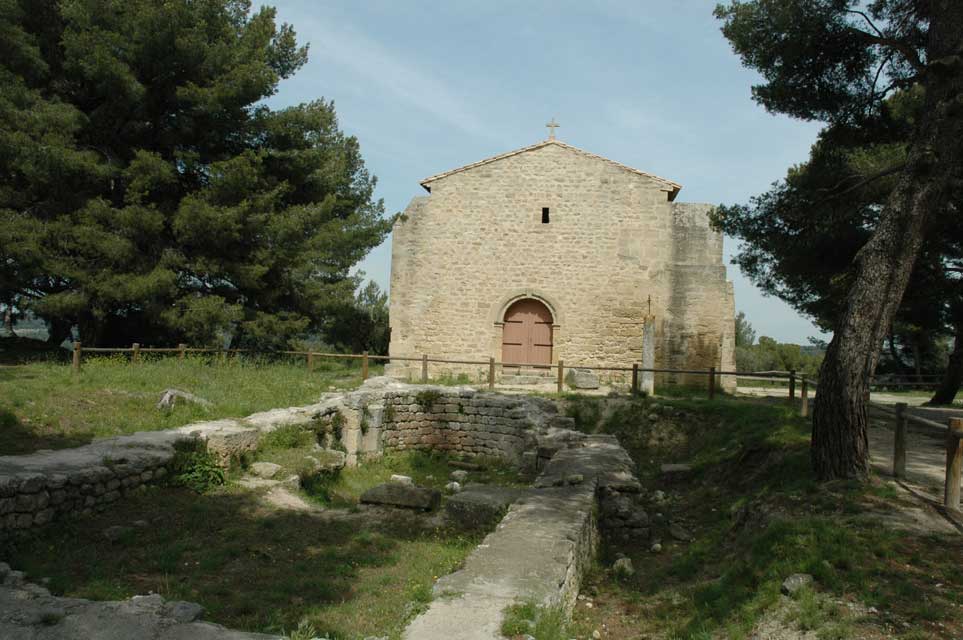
x: 513, y: 376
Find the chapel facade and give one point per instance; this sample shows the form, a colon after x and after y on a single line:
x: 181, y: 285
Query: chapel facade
x: 550, y: 252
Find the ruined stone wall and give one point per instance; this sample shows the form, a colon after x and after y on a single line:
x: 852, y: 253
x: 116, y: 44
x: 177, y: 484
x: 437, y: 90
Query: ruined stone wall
x: 698, y: 328
x: 41, y: 487
x: 458, y: 421
x: 461, y: 255
x: 35, y: 499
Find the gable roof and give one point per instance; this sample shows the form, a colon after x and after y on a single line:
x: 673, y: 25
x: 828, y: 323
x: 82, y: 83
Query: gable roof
x: 666, y: 185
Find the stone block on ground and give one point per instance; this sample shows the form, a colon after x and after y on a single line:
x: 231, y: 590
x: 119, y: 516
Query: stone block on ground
x: 266, y: 470
x: 675, y: 470
x: 481, y: 506
x: 395, y: 494
x: 795, y: 582
x: 582, y: 379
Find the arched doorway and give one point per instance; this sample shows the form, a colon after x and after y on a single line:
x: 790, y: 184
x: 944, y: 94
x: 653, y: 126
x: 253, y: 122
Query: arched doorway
x: 527, y: 333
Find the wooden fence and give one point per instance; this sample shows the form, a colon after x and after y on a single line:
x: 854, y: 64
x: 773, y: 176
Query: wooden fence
x: 311, y: 357
x: 952, y: 431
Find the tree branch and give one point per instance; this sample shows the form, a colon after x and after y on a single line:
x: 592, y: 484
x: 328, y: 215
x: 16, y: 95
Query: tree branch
x: 911, y: 55
x: 862, y: 183
x: 868, y: 21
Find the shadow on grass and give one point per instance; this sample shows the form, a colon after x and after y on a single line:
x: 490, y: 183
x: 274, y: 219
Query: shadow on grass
x: 250, y: 568
x: 760, y: 515
x: 15, y: 351
x: 17, y: 438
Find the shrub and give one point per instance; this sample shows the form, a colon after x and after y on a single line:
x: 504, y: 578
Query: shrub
x: 288, y: 437
x: 194, y: 467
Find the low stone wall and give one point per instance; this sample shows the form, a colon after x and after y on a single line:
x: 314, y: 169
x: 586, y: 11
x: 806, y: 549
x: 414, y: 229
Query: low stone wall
x: 459, y: 421
x: 38, y: 488
x: 540, y: 550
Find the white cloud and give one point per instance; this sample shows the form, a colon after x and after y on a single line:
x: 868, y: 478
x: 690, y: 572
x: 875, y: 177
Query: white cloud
x: 392, y: 74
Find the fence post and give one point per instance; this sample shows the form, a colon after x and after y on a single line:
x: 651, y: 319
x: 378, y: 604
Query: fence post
x: 181, y: 350
x: 561, y: 377
x: 712, y: 382
x: 804, y: 398
x: 899, y: 442
x: 491, y: 373
x: 424, y: 368
x: 792, y: 386
x: 310, y: 360
x: 76, y: 361
x: 135, y: 352
x: 635, y: 378
x: 364, y: 366
x: 954, y: 463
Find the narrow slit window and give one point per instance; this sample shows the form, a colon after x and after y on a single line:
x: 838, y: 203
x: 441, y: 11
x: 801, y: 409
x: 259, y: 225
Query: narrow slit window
x: 544, y: 215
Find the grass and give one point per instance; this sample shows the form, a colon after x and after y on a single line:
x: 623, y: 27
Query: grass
x: 289, y: 447
x: 528, y: 620
x: 759, y: 516
x: 257, y: 568
x: 250, y: 568
x: 43, y: 405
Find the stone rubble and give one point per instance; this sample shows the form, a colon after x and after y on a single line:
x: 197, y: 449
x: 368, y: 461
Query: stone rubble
x: 29, y: 612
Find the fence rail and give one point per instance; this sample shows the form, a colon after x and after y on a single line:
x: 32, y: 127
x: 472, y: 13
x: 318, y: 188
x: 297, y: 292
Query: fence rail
x: 952, y: 431
x: 136, y: 351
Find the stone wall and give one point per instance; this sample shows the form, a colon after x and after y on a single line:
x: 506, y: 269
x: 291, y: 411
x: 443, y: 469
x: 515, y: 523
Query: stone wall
x: 614, y: 242
x: 542, y: 547
x: 41, y: 487
x: 458, y: 421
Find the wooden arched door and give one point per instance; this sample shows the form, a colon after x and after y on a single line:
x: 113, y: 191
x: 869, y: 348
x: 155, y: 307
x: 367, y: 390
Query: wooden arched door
x: 527, y: 333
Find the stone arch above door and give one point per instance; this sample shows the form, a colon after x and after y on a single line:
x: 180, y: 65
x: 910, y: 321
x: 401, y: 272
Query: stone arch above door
x: 500, y: 310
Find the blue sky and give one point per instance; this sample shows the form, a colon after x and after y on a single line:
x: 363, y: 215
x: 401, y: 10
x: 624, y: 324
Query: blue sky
x: 430, y: 86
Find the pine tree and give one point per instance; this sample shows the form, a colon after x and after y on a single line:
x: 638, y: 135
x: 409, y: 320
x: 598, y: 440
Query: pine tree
x: 148, y: 194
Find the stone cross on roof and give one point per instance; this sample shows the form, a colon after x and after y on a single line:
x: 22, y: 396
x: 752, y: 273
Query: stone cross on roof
x: 551, y: 128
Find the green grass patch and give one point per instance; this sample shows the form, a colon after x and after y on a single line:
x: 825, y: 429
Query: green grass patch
x: 43, y: 405
x: 425, y: 469
x: 251, y: 568
x: 760, y: 516
x: 530, y: 620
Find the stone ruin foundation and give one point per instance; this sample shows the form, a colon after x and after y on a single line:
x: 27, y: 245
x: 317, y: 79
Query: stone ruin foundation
x: 537, y: 553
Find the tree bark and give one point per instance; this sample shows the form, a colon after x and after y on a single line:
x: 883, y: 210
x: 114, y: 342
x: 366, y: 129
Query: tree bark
x: 8, y: 321
x: 953, y: 378
x: 839, y: 440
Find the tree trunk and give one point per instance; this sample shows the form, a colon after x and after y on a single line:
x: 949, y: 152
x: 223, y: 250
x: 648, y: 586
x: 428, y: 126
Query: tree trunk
x: 953, y: 378
x: 839, y: 440
x: 917, y: 365
x: 8, y: 321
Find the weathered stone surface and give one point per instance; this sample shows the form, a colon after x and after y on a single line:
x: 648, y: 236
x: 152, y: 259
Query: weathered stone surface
x: 675, y: 469
x: 169, y: 399
x: 538, y: 551
x: 582, y: 379
x: 453, y: 487
x: 28, y: 612
x: 481, y: 506
x: 396, y: 494
x: 680, y: 533
x: 795, y: 582
x: 459, y: 475
x: 266, y: 470
x: 623, y: 568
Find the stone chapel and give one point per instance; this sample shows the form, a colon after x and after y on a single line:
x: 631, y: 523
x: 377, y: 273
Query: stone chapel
x: 551, y: 253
